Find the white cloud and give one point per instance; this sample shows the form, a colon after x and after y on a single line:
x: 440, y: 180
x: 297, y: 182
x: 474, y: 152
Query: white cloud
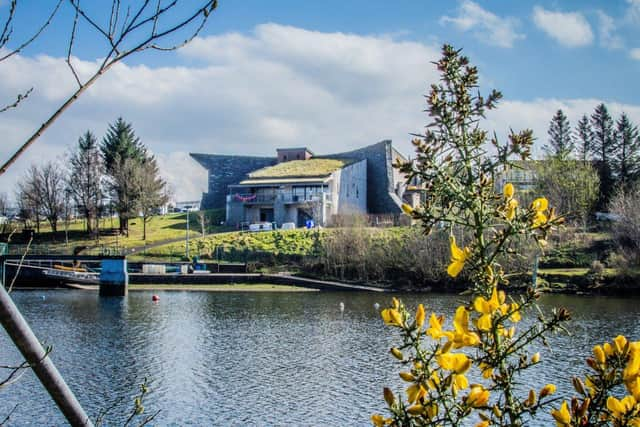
x: 606, y: 29
x: 249, y: 94
x: 570, y: 29
x: 635, y: 53
x: 632, y: 15
x: 488, y: 27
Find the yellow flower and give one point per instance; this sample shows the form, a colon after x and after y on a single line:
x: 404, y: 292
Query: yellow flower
x: 484, y: 423
x: 397, y: 353
x: 456, y: 362
x: 420, y: 316
x: 460, y: 382
x: 562, y: 415
x: 478, y: 396
x: 619, y: 408
x: 415, y: 409
x: 547, y: 390
x: 535, y: 358
x: 514, y: 308
x: 415, y: 392
x: 487, y: 308
x: 620, y: 343
x: 508, y: 190
x: 406, y: 208
x: 407, y: 376
x: 598, y: 352
x: 539, y: 206
x: 392, y: 317
x: 512, y: 205
x: 458, y: 257
x: 378, y: 420
x: 461, y: 336
x: 435, y: 327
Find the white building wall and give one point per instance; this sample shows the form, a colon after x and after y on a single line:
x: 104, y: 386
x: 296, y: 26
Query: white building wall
x: 351, y: 185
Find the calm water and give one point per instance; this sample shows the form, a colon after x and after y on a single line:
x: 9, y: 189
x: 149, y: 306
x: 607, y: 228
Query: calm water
x: 249, y: 358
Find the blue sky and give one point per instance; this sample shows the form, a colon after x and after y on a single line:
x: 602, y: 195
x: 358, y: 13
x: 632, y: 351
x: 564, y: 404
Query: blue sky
x: 331, y: 75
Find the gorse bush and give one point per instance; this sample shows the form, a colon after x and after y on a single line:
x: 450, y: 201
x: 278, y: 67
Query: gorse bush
x: 490, y: 225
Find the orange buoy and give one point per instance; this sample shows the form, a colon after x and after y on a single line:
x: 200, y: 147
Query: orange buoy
x: 155, y: 298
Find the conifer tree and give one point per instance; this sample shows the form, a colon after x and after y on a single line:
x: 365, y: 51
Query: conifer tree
x: 85, y: 180
x: 560, y: 142
x: 121, y: 142
x: 628, y: 143
x: 604, y: 152
x: 122, y: 152
x: 584, y: 138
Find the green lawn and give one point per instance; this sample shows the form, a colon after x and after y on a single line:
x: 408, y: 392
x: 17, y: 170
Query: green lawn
x: 159, y: 229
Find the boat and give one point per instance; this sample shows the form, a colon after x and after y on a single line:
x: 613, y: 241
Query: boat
x: 72, y: 275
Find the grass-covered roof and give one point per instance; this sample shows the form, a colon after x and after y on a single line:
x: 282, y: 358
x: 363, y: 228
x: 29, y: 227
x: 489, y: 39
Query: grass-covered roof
x: 314, y: 167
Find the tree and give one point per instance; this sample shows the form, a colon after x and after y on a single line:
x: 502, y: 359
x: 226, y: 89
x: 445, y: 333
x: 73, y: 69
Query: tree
x: 124, y: 191
x: 52, y: 187
x: 584, y: 138
x: 122, y: 153
x: 626, y: 204
x: 561, y: 144
x: 151, y: 190
x: 4, y: 204
x: 628, y: 143
x: 571, y: 186
x: 604, y: 152
x: 28, y: 196
x: 85, y: 181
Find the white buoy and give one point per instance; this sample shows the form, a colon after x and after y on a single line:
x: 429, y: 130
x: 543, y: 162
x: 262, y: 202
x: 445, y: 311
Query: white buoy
x: 341, y: 306
x: 376, y: 306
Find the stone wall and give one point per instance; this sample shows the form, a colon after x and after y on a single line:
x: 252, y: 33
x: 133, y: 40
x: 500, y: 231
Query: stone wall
x: 225, y: 170
x: 381, y: 196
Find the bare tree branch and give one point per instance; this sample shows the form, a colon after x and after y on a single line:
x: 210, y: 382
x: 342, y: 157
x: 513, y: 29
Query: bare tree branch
x: 8, y: 417
x: 73, y: 36
x: 21, y: 97
x: 118, y: 50
x: 35, y: 36
x: 8, y: 29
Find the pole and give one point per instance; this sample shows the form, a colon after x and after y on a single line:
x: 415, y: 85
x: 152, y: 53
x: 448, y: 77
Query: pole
x: 25, y: 340
x: 187, y: 233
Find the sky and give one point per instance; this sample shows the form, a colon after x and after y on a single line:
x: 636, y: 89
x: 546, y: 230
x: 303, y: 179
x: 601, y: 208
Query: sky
x: 332, y: 76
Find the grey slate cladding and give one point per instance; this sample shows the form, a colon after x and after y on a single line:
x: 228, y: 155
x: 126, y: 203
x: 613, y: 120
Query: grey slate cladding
x: 225, y: 170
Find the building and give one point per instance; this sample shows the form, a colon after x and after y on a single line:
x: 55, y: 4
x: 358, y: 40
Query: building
x: 297, y: 185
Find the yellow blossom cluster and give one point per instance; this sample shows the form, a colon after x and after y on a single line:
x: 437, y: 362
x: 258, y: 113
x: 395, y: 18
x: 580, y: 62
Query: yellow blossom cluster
x: 614, y: 364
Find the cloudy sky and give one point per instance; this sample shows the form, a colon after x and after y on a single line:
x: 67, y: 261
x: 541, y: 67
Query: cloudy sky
x: 332, y: 75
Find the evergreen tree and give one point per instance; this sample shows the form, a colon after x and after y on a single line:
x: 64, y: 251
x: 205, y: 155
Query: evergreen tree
x: 584, y: 138
x: 560, y: 142
x: 121, y: 142
x: 628, y: 143
x: 122, y: 152
x: 85, y: 180
x: 604, y: 152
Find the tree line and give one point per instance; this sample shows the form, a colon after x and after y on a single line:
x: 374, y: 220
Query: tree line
x: 117, y: 175
x: 611, y: 146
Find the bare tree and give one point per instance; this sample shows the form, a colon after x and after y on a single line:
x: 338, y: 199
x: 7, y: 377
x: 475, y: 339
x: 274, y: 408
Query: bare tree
x: 52, y: 186
x: 151, y: 190
x: 4, y: 204
x: 28, y: 196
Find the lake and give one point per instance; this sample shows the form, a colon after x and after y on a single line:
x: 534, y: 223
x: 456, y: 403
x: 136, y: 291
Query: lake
x: 252, y: 358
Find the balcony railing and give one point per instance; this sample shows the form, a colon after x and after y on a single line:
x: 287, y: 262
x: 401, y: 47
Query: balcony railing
x: 252, y: 198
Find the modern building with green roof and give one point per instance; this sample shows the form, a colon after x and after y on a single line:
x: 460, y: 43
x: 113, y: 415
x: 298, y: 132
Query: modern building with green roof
x: 297, y: 185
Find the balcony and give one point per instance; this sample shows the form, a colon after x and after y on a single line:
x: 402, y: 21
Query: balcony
x: 254, y: 199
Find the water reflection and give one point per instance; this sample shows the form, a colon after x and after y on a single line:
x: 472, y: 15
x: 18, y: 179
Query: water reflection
x: 250, y: 358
